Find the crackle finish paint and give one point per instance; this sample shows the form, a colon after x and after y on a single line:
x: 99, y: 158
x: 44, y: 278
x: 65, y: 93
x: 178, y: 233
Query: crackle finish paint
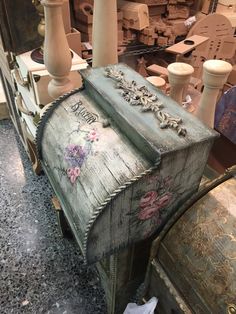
x: 118, y: 173
x: 201, y: 248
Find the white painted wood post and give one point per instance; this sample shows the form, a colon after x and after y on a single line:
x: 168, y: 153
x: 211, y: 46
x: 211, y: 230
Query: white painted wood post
x: 104, y: 37
x: 215, y: 74
x: 57, y: 55
x: 179, y: 75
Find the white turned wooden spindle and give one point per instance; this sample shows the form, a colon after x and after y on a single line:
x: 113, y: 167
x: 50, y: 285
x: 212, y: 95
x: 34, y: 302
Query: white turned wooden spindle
x: 179, y: 75
x: 57, y: 55
x: 104, y: 37
x: 215, y: 74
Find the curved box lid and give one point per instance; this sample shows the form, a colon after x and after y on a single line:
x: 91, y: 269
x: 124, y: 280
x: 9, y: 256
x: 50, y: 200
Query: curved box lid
x: 89, y: 163
x: 199, y: 252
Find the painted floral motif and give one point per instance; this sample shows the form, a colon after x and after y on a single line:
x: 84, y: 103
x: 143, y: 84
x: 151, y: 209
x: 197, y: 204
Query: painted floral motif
x: 148, y: 199
x: 92, y: 136
x: 75, y: 154
x: 152, y: 206
x: 73, y: 173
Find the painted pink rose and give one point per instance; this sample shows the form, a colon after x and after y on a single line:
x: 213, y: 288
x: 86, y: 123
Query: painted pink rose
x: 93, y: 136
x: 73, y: 179
x: 73, y: 174
x: 148, y: 199
x: 70, y: 171
x: 148, y: 212
x: 153, y: 205
x: 76, y: 171
x: 163, y: 200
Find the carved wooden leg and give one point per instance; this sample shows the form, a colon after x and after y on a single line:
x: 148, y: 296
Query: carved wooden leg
x: 215, y: 73
x: 179, y: 75
x: 105, y: 39
x: 61, y: 219
x: 57, y: 55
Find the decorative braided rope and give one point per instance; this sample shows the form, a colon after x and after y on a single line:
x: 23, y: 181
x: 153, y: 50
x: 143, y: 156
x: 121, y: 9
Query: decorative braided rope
x: 46, y: 116
x: 141, y: 96
x: 115, y: 193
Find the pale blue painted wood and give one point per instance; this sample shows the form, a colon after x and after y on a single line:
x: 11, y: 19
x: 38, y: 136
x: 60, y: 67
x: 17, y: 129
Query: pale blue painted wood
x: 142, y: 128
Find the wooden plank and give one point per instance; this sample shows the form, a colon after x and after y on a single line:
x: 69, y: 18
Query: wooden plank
x: 187, y: 44
x: 4, y: 113
x: 155, y: 69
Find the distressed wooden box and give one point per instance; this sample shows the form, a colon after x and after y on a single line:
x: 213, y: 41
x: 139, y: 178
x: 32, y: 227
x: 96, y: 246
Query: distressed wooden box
x: 121, y: 157
x: 194, y: 270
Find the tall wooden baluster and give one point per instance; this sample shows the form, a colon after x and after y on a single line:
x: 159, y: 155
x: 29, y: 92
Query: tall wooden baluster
x: 215, y: 73
x: 105, y: 40
x: 179, y: 75
x: 57, y: 56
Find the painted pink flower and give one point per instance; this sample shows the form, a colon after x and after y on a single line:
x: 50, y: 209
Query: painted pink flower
x: 73, y: 179
x: 151, y: 205
x: 148, y: 212
x: 164, y: 200
x: 76, y: 171
x: 73, y: 174
x: 70, y: 172
x: 93, y: 136
x: 148, y: 199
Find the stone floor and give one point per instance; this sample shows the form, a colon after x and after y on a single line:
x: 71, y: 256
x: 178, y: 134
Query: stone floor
x: 40, y: 272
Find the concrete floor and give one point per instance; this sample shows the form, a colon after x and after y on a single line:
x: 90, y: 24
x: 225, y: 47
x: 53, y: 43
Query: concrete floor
x: 40, y: 272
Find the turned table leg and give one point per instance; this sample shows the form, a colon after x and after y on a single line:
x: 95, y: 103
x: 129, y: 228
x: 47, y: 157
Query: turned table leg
x: 179, y: 75
x: 215, y: 73
x: 105, y: 41
x: 57, y: 55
